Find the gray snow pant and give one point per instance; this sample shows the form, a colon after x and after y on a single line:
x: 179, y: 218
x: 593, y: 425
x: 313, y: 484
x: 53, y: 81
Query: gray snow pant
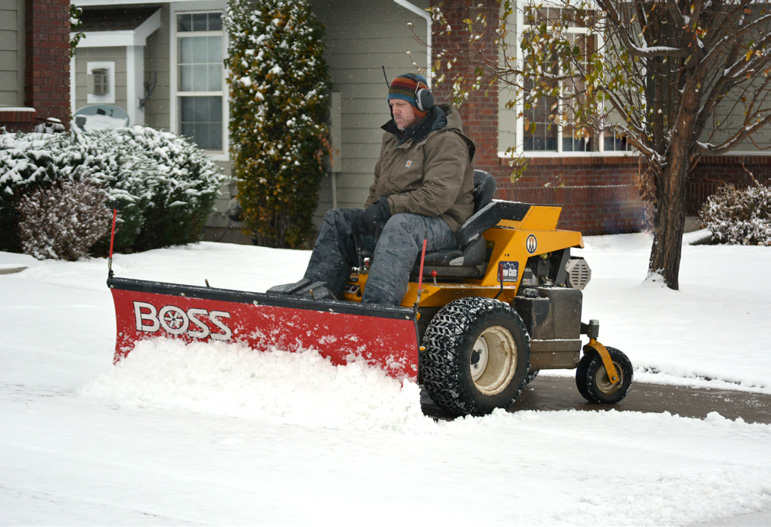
x: 395, y: 253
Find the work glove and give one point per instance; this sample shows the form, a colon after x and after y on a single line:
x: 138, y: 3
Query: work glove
x: 374, y: 217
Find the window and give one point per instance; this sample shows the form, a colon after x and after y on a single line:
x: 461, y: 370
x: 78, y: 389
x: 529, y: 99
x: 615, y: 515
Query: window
x: 99, y: 81
x: 539, y: 131
x: 200, y: 78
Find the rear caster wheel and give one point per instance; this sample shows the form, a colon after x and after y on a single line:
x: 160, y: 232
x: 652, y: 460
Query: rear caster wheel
x: 593, y: 382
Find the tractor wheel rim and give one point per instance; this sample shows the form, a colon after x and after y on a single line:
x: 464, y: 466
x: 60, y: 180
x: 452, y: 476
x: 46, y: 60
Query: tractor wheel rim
x: 496, y: 354
x: 603, y: 380
x: 479, y: 358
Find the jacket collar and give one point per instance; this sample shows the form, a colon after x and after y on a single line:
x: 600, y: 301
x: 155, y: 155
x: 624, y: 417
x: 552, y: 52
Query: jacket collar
x: 435, y: 120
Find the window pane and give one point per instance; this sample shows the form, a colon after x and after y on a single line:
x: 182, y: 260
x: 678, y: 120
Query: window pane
x: 199, y: 21
x: 615, y: 142
x: 200, y: 51
x: 214, y: 78
x: 184, y: 22
x: 199, y: 78
x: 185, y: 78
x: 574, y: 144
x: 215, y: 109
x: 201, y: 120
x: 185, y: 50
x: 215, y: 22
x: 214, y: 50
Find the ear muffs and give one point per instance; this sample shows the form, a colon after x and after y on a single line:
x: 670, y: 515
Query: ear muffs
x: 424, y: 99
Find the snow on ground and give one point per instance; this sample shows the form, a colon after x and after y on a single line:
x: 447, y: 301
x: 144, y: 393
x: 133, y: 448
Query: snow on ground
x: 216, y: 434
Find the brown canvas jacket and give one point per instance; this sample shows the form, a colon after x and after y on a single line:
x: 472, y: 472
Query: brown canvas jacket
x: 432, y: 176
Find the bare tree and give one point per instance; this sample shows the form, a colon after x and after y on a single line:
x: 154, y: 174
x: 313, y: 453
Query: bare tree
x: 678, y: 80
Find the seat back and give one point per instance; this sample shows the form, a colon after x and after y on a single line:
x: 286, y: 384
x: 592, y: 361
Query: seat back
x: 484, y: 189
x: 485, y: 215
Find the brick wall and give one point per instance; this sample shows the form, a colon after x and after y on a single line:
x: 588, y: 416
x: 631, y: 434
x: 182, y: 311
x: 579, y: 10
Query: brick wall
x: 598, y: 195
x: 480, y: 112
x: 47, y: 65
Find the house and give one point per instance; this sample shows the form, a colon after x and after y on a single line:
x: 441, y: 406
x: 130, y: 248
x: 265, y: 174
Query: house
x: 159, y: 63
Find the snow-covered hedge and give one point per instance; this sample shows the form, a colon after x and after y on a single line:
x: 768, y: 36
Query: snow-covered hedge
x: 163, y: 186
x: 739, y: 216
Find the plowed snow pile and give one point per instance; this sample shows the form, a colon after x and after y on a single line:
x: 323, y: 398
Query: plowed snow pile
x: 232, y: 380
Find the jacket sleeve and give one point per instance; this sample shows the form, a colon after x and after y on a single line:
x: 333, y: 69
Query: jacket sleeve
x: 444, y: 167
x: 373, y: 197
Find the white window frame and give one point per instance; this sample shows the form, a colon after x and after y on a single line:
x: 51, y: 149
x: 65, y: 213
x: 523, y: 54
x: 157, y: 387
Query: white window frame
x: 182, y: 8
x: 519, y: 129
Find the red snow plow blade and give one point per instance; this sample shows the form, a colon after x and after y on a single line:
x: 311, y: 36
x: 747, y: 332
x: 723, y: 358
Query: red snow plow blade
x: 342, y: 331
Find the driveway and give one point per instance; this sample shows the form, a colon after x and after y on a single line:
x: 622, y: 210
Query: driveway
x: 560, y: 393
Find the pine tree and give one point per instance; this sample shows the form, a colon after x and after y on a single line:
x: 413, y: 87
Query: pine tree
x: 279, y: 92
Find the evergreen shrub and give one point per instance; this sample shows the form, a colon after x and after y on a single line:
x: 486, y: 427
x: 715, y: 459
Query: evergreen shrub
x: 279, y: 93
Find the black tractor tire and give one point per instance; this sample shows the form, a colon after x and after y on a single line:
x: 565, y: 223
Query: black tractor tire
x: 593, y: 382
x: 476, y: 356
x: 531, y: 375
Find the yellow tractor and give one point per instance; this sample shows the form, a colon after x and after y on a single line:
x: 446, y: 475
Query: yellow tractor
x: 503, y: 307
x: 475, y: 326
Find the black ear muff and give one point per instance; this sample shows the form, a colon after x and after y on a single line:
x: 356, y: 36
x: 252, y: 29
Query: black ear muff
x: 424, y: 99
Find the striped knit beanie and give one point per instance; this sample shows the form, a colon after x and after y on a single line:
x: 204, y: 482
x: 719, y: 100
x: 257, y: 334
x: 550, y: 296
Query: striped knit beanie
x: 405, y: 87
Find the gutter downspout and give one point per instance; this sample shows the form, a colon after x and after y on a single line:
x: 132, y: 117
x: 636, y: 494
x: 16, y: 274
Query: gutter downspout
x: 423, y: 14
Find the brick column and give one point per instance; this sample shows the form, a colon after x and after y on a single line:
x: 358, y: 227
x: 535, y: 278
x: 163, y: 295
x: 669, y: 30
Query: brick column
x: 47, y: 65
x: 480, y: 112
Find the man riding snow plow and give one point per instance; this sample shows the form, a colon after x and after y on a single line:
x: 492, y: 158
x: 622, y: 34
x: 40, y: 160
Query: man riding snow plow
x: 501, y: 298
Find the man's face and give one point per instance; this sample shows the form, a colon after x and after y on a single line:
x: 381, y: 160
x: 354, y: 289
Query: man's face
x: 404, y: 114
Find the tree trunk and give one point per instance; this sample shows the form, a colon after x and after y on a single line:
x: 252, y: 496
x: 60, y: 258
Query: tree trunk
x: 669, y: 219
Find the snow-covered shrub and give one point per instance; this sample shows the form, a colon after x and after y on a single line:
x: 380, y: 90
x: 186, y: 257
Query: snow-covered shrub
x: 163, y: 186
x: 739, y: 216
x: 279, y: 93
x: 173, y: 182
x: 63, y: 220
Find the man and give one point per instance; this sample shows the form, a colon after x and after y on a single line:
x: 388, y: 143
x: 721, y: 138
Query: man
x: 423, y: 187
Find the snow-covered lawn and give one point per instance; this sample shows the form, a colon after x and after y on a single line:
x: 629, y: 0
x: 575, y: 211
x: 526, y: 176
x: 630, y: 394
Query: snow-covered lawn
x: 220, y: 435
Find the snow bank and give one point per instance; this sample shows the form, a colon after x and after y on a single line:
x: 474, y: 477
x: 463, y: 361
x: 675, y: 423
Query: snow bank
x: 233, y: 381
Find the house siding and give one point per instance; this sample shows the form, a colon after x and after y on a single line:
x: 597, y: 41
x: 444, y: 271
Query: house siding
x: 158, y: 62
x: 358, y: 43
x: 12, y: 53
x: 116, y: 55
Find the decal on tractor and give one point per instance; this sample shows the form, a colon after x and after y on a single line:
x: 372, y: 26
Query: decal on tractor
x: 176, y: 321
x: 508, y: 271
x: 531, y: 244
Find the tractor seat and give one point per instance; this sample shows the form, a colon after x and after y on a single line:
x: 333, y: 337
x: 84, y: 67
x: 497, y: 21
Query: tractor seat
x: 468, y: 261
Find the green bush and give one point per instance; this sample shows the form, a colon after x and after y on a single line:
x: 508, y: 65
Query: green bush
x: 279, y: 92
x: 739, y: 216
x: 163, y: 186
